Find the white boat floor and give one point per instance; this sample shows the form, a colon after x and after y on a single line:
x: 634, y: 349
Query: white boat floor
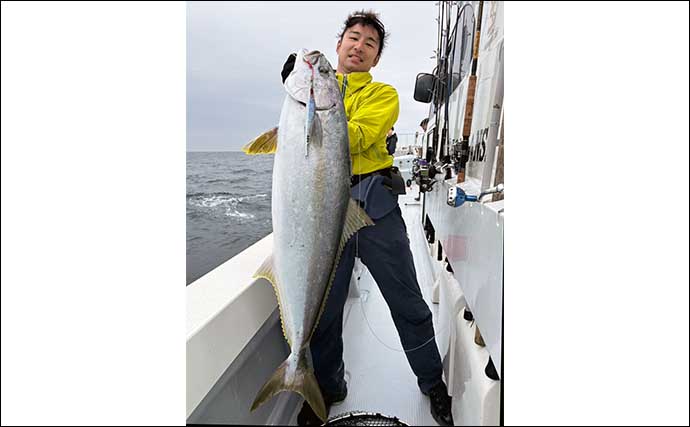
x: 379, y: 378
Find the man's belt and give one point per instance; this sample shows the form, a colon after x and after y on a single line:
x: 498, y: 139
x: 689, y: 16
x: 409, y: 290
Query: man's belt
x: 356, y: 179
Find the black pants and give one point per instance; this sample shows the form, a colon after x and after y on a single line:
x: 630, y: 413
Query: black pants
x: 385, y: 249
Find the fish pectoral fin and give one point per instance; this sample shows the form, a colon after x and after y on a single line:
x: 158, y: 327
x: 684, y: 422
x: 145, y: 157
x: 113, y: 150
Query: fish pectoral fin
x: 266, y: 143
x: 315, y: 131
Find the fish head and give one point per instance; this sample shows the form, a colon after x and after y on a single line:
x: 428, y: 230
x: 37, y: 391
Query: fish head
x: 313, y: 71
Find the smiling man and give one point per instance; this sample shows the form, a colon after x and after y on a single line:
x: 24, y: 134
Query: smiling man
x: 360, y: 45
x: 372, y: 109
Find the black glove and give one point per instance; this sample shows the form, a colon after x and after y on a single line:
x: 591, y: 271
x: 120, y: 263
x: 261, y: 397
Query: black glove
x: 289, y: 65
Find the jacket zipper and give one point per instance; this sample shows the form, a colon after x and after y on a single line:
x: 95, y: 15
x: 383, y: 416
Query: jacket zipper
x: 344, y: 85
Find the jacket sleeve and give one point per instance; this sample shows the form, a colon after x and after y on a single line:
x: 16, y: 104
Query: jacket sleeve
x: 373, y: 118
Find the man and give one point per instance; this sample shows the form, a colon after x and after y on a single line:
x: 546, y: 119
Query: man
x: 372, y: 108
x: 391, y: 141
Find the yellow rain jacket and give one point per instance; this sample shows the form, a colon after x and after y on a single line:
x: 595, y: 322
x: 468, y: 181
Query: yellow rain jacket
x: 372, y: 108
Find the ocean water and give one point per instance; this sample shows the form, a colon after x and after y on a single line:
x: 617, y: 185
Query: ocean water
x: 228, y: 207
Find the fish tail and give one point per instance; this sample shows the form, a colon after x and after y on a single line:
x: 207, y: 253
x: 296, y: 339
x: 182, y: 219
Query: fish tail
x: 300, y: 380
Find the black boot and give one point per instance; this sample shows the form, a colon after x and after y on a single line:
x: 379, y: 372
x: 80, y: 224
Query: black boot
x: 440, y: 404
x: 307, y: 417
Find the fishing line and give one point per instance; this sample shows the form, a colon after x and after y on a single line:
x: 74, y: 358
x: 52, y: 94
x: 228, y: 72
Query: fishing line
x: 361, y: 301
x: 364, y: 313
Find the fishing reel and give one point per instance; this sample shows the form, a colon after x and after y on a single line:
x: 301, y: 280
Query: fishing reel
x: 423, y: 174
x: 459, y: 151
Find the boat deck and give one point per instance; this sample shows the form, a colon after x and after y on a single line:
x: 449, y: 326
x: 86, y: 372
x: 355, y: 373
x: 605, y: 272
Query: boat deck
x: 379, y: 378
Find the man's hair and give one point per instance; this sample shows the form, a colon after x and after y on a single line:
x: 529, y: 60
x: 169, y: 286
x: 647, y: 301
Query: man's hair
x: 366, y: 18
x: 424, y: 122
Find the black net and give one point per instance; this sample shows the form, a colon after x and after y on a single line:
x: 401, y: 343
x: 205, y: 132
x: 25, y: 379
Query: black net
x: 363, y: 419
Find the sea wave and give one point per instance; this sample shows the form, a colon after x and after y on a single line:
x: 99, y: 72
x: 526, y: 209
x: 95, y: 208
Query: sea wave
x: 237, y: 214
x: 212, y: 200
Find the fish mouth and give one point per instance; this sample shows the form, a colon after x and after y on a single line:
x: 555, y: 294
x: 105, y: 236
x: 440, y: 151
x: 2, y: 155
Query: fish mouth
x: 302, y: 88
x: 312, y: 57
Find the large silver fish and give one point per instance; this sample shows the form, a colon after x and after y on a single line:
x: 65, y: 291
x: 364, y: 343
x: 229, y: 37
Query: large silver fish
x: 313, y: 215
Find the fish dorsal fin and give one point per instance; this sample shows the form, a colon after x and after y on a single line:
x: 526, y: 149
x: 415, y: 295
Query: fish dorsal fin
x: 355, y: 219
x: 266, y: 143
x: 266, y: 272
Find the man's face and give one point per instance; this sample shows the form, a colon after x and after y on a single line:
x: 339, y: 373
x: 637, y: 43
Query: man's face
x: 358, y: 50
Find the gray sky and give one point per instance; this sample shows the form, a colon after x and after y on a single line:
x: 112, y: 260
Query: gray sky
x: 236, y: 50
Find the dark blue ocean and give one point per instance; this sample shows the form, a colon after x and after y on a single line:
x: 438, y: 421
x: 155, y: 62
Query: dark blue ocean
x: 228, y: 207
